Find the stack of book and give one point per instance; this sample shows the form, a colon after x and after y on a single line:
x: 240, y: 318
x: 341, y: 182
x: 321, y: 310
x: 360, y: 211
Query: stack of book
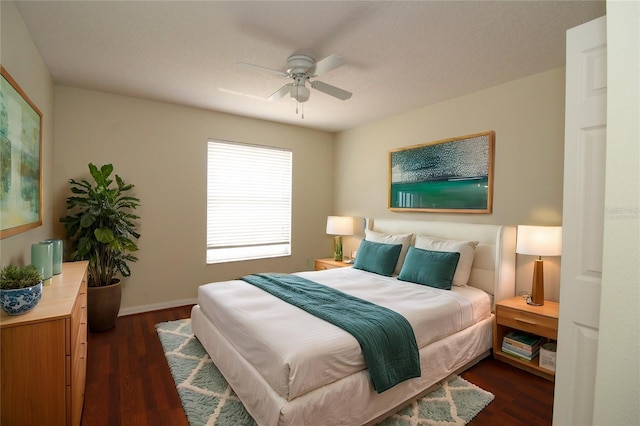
x: 521, y: 345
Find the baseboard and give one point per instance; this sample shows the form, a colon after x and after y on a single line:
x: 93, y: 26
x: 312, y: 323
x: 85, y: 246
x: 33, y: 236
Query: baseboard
x: 156, y: 306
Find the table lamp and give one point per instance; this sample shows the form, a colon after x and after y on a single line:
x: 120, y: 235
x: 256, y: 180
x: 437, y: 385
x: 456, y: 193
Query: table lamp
x: 339, y: 226
x: 539, y: 241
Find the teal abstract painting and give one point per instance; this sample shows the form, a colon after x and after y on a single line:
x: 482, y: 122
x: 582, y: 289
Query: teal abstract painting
x: 20, y: 162
x: 452, y: 175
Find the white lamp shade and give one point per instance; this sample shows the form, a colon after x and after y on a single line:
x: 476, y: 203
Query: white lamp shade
x: 539, y: 240
x: 339, y: 225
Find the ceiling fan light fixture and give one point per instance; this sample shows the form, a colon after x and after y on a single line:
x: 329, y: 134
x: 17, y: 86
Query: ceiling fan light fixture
x: 300, y: 93
x: 301, y: 68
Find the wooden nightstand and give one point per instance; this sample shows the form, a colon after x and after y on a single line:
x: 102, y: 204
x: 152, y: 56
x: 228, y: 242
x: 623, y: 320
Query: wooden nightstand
x: 329, y: 263
x: 516, y: 314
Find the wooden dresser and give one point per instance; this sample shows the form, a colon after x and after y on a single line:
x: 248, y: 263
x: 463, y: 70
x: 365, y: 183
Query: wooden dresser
x: 44, y: 354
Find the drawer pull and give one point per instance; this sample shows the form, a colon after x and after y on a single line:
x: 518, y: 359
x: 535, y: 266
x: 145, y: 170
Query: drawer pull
x: 526, y: 321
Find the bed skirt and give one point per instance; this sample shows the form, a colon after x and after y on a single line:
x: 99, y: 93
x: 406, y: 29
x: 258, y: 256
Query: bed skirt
x: 350, y: 400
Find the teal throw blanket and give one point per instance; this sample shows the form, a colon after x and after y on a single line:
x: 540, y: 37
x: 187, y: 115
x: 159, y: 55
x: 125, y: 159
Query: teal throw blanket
x: 385, y: 336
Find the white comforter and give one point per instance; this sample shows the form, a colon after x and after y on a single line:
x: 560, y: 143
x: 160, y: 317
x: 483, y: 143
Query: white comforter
x: 296, y: 352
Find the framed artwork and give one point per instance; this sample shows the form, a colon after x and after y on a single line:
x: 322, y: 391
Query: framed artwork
x: 447, y: 176
x: 20, y: 159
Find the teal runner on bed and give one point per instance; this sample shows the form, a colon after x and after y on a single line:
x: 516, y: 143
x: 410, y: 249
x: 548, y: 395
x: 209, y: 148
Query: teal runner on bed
x: 385, y: 336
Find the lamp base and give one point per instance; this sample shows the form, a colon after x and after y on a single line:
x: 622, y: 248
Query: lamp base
x: 530, y: 302
x: 337, y: 249
x: 537, y: 285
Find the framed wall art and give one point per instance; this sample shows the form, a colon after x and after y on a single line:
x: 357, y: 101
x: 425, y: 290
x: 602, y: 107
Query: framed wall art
x: 447, y: 176
x: 20, y: 159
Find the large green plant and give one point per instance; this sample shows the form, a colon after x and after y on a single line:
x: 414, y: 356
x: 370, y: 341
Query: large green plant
x: 100, y: 226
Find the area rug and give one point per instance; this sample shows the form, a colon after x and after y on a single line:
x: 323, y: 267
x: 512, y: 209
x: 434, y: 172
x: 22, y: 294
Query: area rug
x: 208, y: 400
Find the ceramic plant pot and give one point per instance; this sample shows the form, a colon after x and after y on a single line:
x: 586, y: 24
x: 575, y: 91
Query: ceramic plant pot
x: 21, y: 300
x: 103, y: 306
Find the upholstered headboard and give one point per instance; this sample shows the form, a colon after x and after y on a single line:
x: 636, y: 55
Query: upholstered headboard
x: 494, y: 264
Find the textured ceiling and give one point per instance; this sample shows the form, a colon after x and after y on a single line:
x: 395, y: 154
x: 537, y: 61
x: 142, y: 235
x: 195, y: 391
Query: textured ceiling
x: 399, y: 55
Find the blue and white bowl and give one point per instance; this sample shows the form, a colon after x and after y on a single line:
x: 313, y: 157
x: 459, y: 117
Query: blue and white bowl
x: 21, y: 300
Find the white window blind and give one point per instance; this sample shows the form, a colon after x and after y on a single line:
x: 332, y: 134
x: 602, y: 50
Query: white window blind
x: 248, y: 202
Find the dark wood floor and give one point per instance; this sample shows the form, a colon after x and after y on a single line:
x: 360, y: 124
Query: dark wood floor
x: 129, y: 383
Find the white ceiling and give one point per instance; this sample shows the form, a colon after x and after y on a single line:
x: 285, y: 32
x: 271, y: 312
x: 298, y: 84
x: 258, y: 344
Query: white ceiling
x: 401, y: 55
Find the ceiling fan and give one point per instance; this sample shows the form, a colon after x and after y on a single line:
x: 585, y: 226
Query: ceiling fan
x: 302, y: 68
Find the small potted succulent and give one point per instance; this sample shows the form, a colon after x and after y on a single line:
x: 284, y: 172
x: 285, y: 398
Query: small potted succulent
x: 20, y: 288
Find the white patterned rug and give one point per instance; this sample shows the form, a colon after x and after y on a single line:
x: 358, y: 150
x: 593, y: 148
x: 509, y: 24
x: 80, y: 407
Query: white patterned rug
x: 208, y: 400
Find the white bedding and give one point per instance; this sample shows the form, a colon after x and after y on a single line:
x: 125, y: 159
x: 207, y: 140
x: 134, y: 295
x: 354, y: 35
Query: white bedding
x: 296, y: 357
x: 349, y: 401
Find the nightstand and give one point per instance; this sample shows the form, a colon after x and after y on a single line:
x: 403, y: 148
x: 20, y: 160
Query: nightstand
x: 329, y: 263
x: 516, y: 314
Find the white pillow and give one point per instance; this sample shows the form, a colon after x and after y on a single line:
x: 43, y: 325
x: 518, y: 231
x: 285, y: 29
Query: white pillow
x: 467, y: 250
x: 379, y: 237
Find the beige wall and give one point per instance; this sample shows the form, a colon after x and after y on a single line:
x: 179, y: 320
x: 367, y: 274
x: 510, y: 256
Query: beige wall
x: 527, y: 116
x: 162, y: 149
x: 19, y: 56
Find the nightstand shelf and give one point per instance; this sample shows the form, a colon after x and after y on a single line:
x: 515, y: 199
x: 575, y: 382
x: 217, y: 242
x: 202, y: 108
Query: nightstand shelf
x: 329, y: 263
x: 516, y: 314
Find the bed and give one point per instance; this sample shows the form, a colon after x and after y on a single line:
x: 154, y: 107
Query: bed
x: 291, y: 368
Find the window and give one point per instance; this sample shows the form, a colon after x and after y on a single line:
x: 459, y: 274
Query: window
x: 248, y: 202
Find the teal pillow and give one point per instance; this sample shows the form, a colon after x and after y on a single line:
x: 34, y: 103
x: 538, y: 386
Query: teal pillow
x: 378, y: 258
x: 431, y: 268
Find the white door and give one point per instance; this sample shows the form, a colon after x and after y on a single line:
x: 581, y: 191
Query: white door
x: 582, y: 222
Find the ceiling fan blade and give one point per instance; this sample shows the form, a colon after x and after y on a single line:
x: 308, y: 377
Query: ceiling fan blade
x: 264, y: 69
x: 329, y: 63
x: 284, y: 90
x: 331, y: 90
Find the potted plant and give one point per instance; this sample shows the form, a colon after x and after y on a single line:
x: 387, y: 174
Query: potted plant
x: 100, y: 228
x: 20, y: 288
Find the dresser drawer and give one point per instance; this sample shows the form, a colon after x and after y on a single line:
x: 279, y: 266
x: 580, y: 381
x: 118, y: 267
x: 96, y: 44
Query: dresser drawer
x: 526, y: 321
x: 79, y: 320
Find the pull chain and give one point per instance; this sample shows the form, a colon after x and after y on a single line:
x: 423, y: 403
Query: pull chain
x: 298, y: 102
x: 300, y: 109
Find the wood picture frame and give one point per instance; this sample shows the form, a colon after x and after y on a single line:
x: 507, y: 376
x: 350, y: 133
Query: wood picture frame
x: 20, y: 159
x: 447, y: 176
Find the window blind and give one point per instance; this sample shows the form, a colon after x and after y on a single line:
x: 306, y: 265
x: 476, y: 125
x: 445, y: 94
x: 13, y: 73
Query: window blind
x: 248, y: 201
